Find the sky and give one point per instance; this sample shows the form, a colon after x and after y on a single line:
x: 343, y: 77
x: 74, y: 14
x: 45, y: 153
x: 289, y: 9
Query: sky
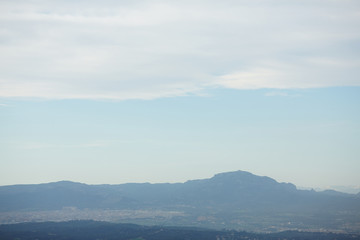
x: 167, y: 91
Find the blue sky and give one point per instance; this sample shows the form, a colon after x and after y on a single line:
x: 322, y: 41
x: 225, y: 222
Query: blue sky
x: 308, y: 137
x: 166, y: 91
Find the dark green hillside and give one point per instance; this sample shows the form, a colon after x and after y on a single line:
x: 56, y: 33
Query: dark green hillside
x: 90, y: 230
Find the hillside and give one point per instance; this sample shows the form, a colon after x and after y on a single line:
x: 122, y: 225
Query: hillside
x: 237, y: 200
x: 91, y: 230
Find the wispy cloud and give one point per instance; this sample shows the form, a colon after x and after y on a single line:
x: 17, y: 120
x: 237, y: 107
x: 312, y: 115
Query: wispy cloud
x: 274, y: 94
x: 40, y: 145
x: 282, y: 94
x: 154, y: 49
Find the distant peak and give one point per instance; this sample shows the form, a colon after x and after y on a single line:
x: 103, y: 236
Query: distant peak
x: 65, y: 183
x: 234, y: 173
x: 243, y: 178
x: 238, y: 176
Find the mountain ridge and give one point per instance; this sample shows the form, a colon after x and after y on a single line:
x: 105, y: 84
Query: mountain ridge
x: 231, y: 199
x: 214, y: 177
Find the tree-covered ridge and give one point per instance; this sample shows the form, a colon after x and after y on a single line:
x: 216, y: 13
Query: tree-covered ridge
x: 92, y: 230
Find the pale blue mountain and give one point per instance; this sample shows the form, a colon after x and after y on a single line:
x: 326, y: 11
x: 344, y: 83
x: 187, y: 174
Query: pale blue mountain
x: 232, y: 199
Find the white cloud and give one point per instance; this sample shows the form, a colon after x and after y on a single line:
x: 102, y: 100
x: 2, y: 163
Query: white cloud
x: 151, y: 49
x: 253, y: 79
x: 303, y: 73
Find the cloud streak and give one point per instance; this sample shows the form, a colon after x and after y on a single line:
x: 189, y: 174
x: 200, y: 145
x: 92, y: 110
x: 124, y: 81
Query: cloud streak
x: 37, y: 145
x: 153, y: 49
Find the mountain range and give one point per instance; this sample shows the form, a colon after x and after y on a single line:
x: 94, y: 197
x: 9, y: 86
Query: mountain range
x: 237, y: 200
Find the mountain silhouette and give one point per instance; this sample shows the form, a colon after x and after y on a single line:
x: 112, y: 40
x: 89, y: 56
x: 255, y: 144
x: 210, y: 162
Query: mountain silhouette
x: 227, y: 197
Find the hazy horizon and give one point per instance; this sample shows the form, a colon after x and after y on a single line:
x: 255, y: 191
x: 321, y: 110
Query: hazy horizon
x: 352, y: 189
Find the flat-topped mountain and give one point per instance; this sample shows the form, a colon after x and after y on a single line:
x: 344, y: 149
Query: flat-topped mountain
x: 231, y: 199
